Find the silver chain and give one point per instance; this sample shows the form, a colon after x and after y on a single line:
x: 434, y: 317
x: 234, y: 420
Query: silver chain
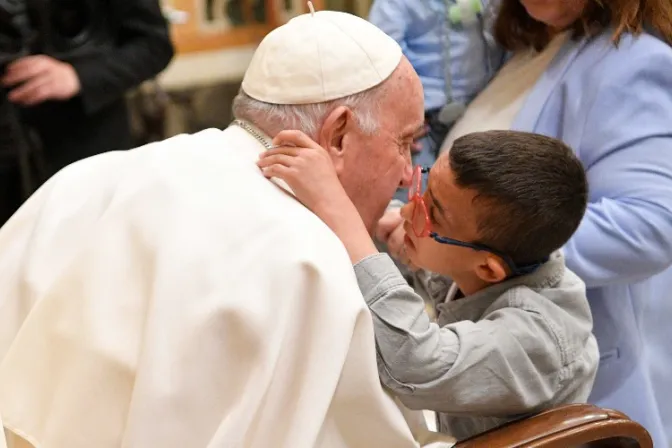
x: 254, y: 133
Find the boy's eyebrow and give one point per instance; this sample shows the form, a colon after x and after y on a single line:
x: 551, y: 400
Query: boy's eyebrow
x: 438, y: 205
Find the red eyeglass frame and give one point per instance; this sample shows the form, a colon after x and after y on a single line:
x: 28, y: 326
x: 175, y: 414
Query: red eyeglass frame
x: 415, y: 197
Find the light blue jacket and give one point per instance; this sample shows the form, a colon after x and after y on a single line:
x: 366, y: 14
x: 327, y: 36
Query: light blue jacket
x: 420, y: 28
x: 613, y: 105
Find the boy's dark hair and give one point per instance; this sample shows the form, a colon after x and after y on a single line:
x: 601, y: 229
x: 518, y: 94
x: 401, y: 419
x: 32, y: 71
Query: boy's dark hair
x: 532, y: 191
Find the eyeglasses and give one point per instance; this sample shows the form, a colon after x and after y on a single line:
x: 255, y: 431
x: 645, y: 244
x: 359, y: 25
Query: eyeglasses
x: 422, y: 227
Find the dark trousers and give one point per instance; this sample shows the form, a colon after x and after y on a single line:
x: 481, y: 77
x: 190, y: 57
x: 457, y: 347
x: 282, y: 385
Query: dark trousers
x: 10, y: 187
x: 66, y: 135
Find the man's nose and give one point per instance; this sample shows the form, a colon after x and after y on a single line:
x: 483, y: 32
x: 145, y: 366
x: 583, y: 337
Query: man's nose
x: 407, y: 175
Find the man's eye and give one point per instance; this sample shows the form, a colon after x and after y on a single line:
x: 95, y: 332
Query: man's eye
x: 421, y: 134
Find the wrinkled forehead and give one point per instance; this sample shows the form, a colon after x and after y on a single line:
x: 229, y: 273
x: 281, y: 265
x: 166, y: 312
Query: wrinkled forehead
x: 405, y: 122
x: 403, y: 100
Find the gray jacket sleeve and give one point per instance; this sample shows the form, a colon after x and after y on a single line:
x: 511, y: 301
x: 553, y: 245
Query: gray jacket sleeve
x: 504, y: 364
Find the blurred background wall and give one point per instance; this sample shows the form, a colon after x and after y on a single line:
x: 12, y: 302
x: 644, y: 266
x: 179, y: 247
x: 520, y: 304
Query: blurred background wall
x: 214, y: 41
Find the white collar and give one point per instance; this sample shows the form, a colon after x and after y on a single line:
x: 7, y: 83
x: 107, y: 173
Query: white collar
x: 452, y: 292
x: 264, y: 140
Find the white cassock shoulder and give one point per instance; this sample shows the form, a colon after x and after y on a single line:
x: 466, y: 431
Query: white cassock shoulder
x: 172, y: 296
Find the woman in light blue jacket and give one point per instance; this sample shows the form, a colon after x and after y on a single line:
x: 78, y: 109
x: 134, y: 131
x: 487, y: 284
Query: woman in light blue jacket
x: 598, y: 75
x: 604, y: 86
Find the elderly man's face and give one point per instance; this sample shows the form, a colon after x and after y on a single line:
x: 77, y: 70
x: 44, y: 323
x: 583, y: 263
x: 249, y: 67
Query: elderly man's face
x: 372, y: 167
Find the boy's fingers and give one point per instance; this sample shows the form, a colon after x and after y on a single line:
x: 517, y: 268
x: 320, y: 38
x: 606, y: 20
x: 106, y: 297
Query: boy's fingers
x: 287, y: 150
x: 280, y: 171
x: 294, y: 138
x: 395, y: 241
x: 276, y: 159
x: 388, y: 224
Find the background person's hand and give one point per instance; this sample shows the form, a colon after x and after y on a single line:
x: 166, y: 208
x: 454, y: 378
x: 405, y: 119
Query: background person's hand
x: 36, y: 79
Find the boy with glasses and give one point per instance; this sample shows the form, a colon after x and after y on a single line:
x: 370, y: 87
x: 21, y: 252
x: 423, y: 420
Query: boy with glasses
x: 513, y: 332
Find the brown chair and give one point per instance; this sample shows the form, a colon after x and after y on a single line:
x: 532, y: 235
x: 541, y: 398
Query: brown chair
x: 571, y: 426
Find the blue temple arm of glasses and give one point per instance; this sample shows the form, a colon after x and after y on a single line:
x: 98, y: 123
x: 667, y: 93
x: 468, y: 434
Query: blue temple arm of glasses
x: 474, y: 246
x: 515, y: 269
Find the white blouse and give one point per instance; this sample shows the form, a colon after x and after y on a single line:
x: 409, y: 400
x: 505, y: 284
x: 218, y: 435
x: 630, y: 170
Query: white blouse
x: 498, y: 104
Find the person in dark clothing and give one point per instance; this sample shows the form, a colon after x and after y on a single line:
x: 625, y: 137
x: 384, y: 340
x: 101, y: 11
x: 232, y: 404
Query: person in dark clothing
x: 73, y: 97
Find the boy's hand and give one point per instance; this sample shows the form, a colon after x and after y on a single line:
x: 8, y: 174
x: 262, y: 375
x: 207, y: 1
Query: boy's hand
x: 389, y: 225
x: 309, y: 171
x: 307, y: 168
x: 391, y: 231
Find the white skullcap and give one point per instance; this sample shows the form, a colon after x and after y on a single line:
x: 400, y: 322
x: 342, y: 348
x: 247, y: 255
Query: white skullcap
x: 319, y: 57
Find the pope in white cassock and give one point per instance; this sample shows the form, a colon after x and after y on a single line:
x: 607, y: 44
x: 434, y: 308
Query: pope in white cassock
x: 172, y: 297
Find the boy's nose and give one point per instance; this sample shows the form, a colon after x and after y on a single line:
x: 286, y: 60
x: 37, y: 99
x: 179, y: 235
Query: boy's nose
x: 407, y: 211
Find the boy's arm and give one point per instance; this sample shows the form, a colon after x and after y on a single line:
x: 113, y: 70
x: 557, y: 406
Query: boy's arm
x: 504, y: 365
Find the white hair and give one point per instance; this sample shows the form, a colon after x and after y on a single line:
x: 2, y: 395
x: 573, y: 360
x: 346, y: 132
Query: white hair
x: 308, y: 117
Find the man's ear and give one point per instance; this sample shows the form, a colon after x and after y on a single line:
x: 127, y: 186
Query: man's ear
x: 492, y: 269
x: 332, y: 135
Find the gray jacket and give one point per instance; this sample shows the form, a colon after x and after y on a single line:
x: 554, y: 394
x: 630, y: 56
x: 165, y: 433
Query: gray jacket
x: 512, y: 349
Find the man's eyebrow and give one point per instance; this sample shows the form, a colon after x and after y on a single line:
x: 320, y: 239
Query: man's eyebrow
x: 415, y: 133
x: 419, y: 131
